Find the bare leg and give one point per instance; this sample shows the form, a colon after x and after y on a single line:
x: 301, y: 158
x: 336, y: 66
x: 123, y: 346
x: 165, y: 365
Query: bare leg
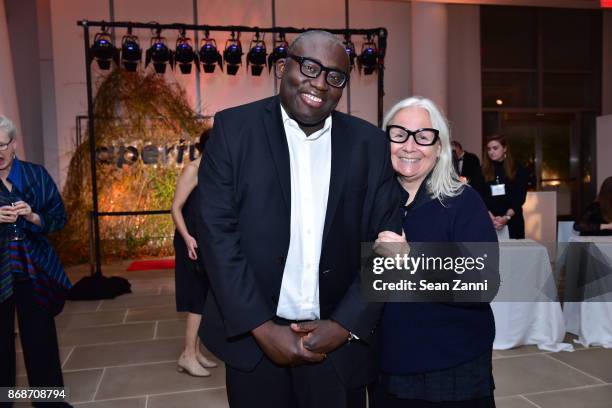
x: 188, y: 360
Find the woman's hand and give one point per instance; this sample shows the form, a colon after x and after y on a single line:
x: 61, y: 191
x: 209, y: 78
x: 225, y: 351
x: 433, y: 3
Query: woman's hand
x: 8, y: 215
x: 500, y: 222
x: 606, y: 226
x: 192, y: 247
x: 24, y: 210
x: 389, y: 244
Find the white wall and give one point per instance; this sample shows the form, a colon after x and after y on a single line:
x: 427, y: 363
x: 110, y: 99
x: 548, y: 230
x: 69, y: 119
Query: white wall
x: 464, y: 78
x: 604, y: 149
x: 606, y: 80
x: 8, y: 93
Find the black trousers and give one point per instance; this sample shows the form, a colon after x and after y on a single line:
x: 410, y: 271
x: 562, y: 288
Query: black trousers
x: 307, y: 386
x: 38, y: 341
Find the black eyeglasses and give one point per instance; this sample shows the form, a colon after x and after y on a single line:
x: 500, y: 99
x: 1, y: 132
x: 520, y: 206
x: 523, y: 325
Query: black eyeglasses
x: 4, y: 146
x: 422, y: 137
x: 312, y: 69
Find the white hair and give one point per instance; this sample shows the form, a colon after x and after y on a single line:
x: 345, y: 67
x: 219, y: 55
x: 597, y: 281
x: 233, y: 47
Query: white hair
x: 444, y: 181
x: 8, y: 127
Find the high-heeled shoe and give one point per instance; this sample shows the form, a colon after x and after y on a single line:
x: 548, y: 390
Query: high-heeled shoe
x: 205, y: 362
x: 191, y: 367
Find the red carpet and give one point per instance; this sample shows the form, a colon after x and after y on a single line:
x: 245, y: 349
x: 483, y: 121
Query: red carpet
x: 151, y: 264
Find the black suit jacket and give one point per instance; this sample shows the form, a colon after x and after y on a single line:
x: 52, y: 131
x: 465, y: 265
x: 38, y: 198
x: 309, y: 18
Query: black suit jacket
x: 245, y: 192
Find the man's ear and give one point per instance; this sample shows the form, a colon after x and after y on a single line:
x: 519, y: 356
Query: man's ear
x: 279, y: 67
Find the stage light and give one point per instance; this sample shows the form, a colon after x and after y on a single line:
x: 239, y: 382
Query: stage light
x: 368, y: 59
x: 232, y: 55
x: 257, y: 55
x: 131, y: 53
x: 159, y: 53
x: 103, y: 50
x: 209, y: 54
x: 349, y: 47
x: 279, y: 52
x: 184, y: 55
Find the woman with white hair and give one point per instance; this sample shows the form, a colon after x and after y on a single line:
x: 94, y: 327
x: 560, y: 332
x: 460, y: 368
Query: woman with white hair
x: 434, y: 354
x: 32, y: 280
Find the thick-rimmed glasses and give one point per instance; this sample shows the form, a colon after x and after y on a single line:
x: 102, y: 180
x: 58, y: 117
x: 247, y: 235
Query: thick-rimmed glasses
x: 422, y: 137
x: 4, y: 146
x: 312, y: 69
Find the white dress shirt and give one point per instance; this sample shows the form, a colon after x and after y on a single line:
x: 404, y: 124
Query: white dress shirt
x: 310, y: 165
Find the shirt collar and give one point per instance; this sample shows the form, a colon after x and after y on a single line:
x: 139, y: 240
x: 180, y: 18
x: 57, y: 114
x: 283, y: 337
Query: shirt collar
x: 15, y: 175
x: 423, y: 195
x: 287, y: 121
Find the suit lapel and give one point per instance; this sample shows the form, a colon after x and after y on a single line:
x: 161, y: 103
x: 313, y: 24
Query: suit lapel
x: 340, y: 156
x: 277, y: 140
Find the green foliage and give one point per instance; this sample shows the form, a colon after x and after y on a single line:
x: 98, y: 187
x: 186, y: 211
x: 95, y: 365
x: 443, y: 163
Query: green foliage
x: 130, y: 108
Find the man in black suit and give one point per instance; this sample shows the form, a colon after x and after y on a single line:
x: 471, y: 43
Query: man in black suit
x: 288, y: 190
x: 467, y: 165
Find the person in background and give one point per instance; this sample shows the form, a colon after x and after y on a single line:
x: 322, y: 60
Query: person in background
x: 467, y: 165
x: 32, y: 280
x: 597, y: 218
x: 505, y: 188
x: 191, y: 280
x: 434, y: 354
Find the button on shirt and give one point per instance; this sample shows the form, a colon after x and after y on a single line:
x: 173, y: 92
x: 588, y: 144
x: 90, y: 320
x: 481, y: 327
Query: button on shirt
x: 310, y: 166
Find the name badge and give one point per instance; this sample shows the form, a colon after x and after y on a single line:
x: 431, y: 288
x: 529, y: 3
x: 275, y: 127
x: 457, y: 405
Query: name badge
x: 498, y: 190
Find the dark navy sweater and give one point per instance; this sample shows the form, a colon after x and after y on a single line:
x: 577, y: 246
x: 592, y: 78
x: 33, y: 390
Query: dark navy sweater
x: 426, y: 337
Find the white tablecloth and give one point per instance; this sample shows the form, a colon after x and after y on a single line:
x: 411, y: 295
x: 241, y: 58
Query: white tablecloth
x: 525, y: 268
x: 592, y: 320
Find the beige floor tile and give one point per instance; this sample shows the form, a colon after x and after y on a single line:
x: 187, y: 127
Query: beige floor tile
x: 81, y: 306
x: 216, y: 398
x: 76, y: 320
x: 137, y: 301
x: 518, y: 351
x: 594, y: 361
x: 116, y: 403
x: 154, y: 379
x: 21, y: 370
x: 154, y: 274
x: 513, y: 402
x: 534, y: 373
x: 170, y: 328
x: 591, y: 397
x: 168, y: 289
x: 106, y: 355
x: 81, y: 384
x: 144, y: 314
x: 106, y: 334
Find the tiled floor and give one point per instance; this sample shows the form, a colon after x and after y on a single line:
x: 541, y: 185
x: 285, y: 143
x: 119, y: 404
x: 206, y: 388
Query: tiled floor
x: 122, y: 353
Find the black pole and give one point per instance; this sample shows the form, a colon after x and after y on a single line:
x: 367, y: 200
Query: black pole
x: 382, y: 49
x: 92, y: 149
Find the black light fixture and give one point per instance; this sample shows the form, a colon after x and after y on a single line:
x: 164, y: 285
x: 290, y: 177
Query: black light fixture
x: 232, y: 55
x: 103, y: 50
x: 368, y: 59
x: 184, y: 55
x: 131, y: 53
x: 349, y: 47
x: 281, y: 48
x: 209, y: 54
x: 159, y: 53
x: 257, y: 55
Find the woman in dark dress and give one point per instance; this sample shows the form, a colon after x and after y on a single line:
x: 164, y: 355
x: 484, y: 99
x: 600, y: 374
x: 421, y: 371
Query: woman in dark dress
x: 191, y: 280
x: 597, y: 218
x: 505, y: 187
x: 434, y: 354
